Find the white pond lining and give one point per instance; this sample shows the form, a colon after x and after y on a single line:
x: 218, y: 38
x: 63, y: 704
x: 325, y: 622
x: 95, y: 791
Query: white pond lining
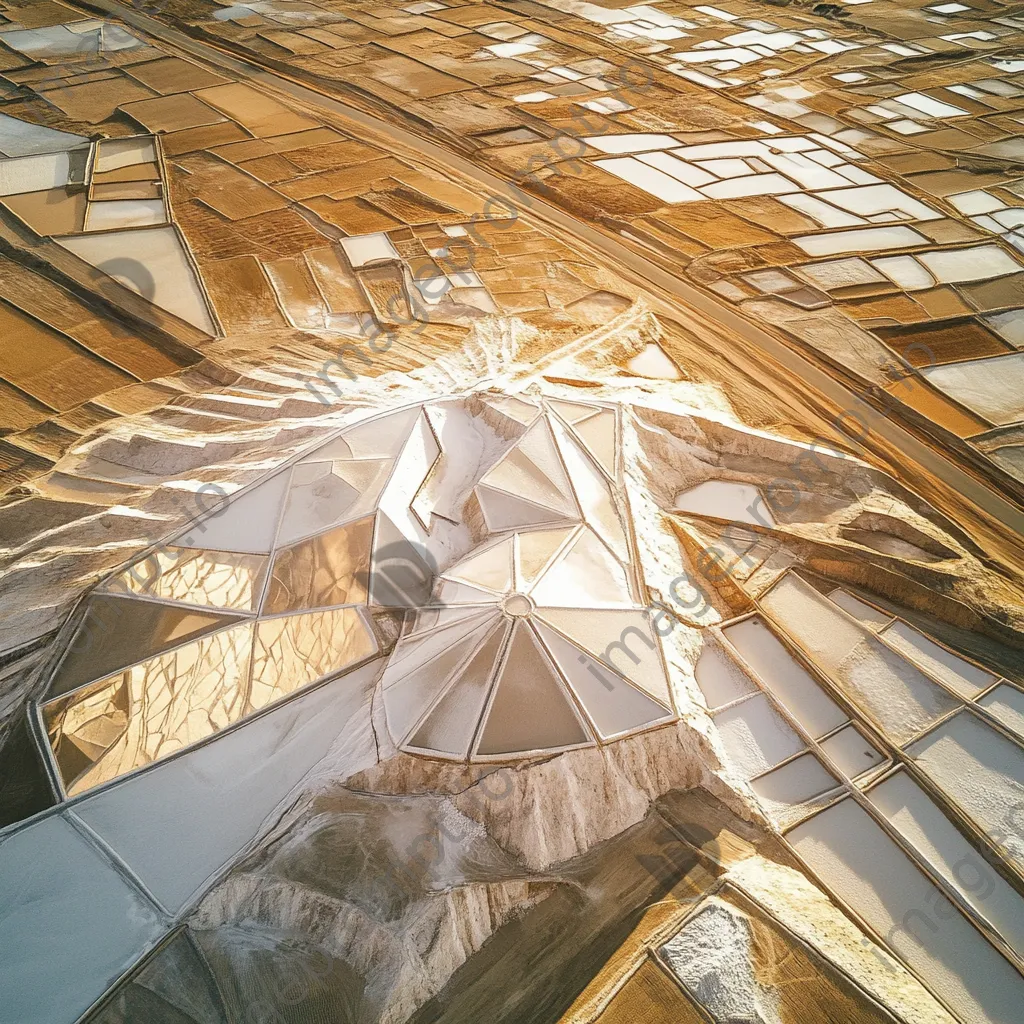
x: 897, y: 764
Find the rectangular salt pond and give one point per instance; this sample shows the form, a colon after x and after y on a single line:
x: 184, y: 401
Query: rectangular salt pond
x: 796, y: 782
x: 124, y: 213
x: 824, y: 213
x: 872, y: 875
x: 752, y: 185
x: 860, y: 240
x: 756, y: 736
x: 905, y: 271
x: 851, y: 752
x: 656, y: 183
x: 841, y: 273
x: 980, y: 263
x: 892, y: 691
x: 1006, y: 704
x: 34, y: 173
x: 982, y: 772
x: 917, y: 818
x: 788, y: 681
x: 929, y: 106
x: 362, y: 250
x: 720, y: 679
x: 993, y: 388
x: 874, y: 199
x: 684, y: 172
x: 630, y: 143
x: 959, y: 675
x: 860, y: 610
x: 113, y: 154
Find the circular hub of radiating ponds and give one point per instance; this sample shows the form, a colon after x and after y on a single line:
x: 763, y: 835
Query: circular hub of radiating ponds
x: 517, y: 606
